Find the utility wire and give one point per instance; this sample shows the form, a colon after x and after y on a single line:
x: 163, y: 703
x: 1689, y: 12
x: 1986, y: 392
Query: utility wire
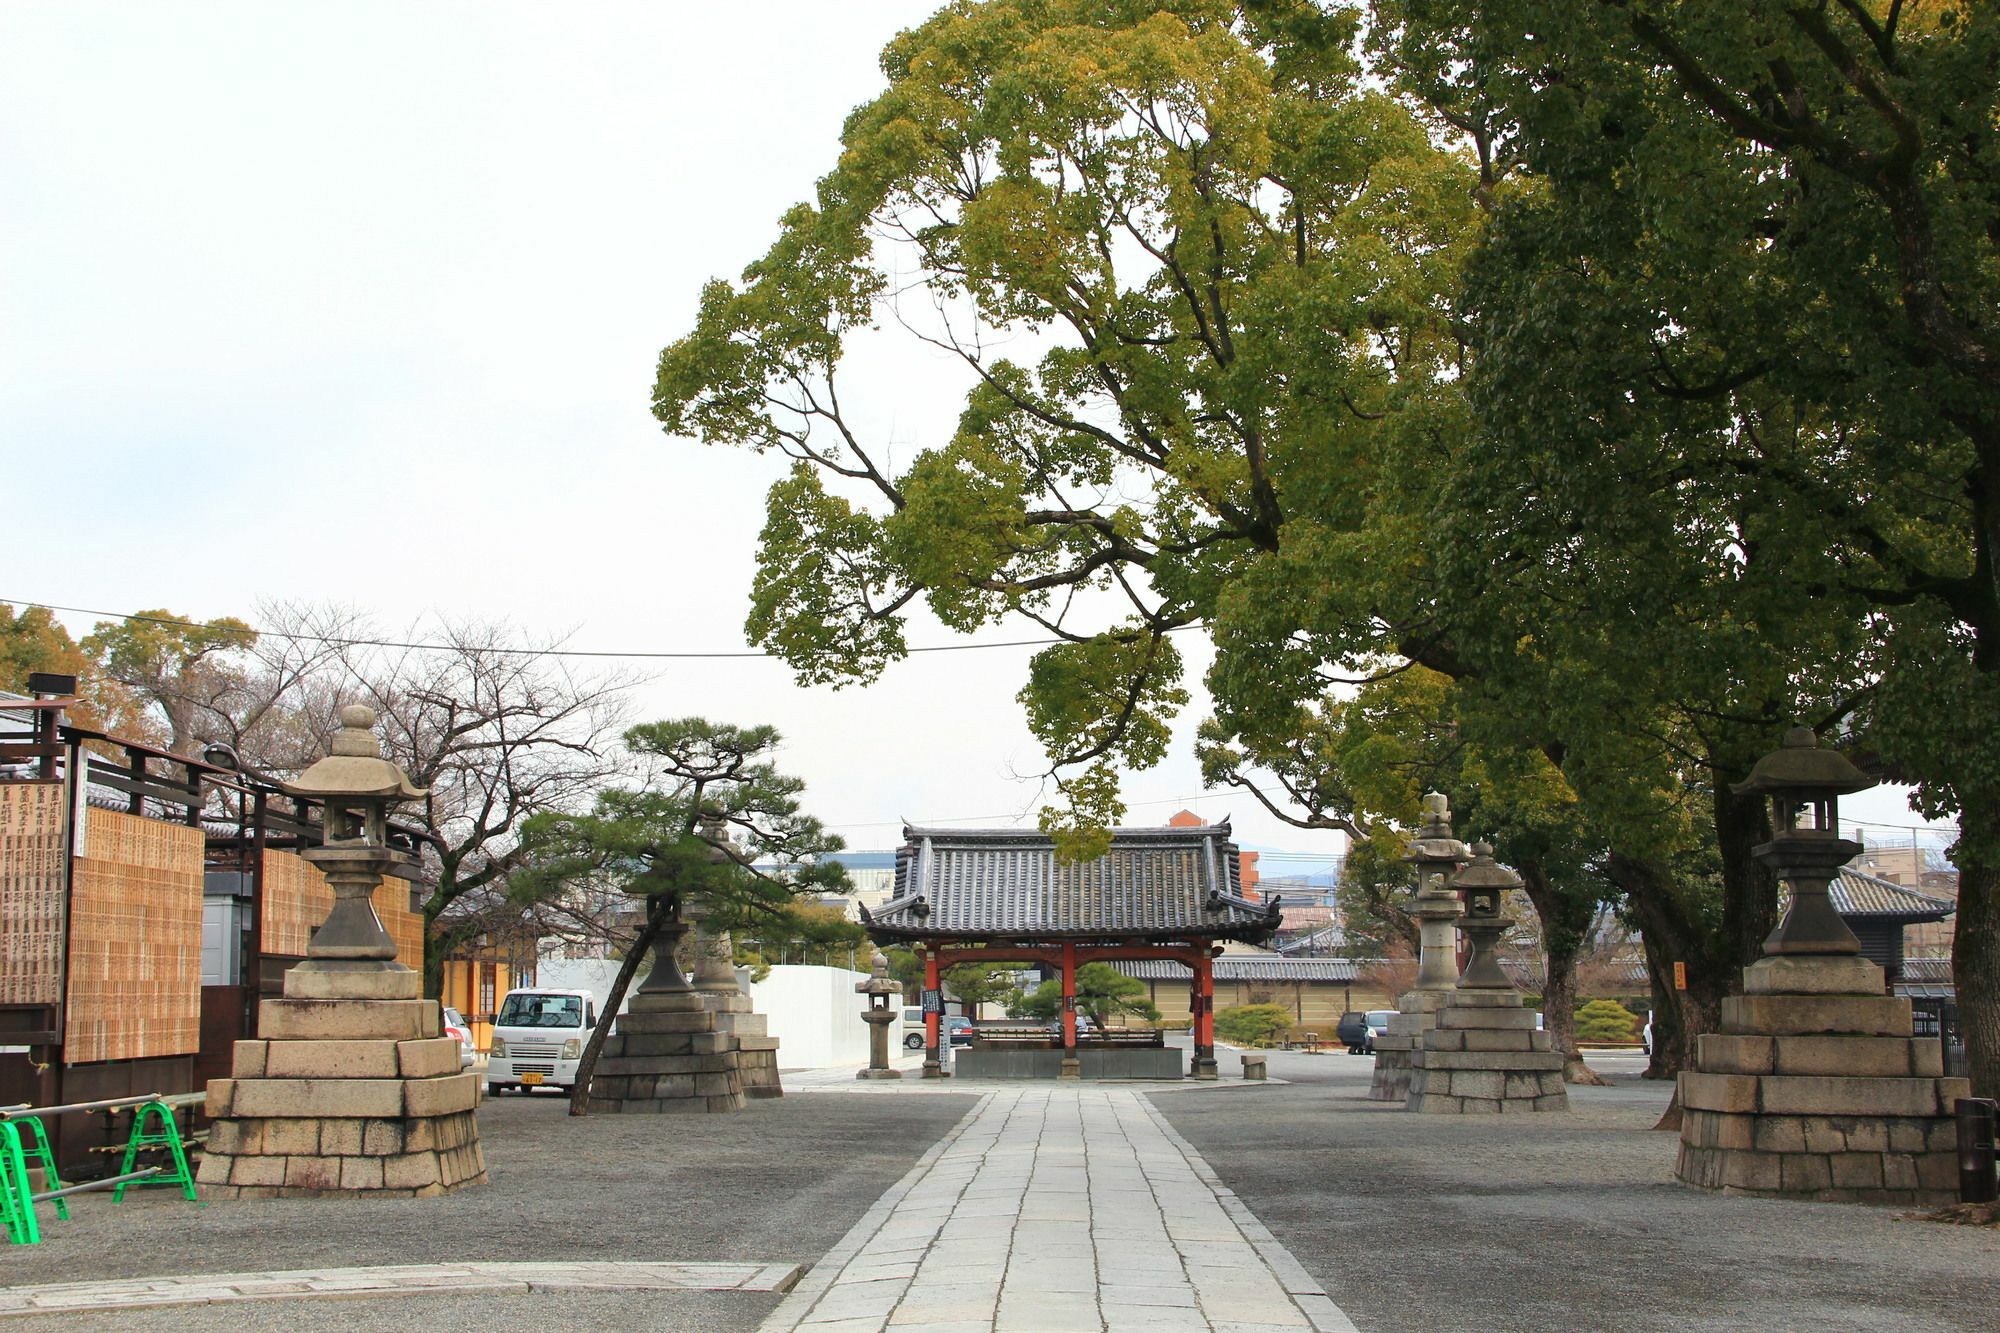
x: 516, y: 652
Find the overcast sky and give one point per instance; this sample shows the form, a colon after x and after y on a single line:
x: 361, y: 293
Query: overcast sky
x: 360, y: 303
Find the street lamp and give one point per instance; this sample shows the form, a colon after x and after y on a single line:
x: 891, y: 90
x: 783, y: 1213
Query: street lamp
x: 1806, y: 850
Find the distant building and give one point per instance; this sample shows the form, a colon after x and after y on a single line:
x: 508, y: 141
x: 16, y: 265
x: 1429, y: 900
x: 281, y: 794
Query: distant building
x: 1246, y: 861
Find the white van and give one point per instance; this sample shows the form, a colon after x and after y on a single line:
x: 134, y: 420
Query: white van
x: 538, y: 1037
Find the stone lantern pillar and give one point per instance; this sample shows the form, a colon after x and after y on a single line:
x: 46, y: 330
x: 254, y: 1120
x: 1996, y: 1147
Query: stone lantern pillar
x: 350, y: 1086
x: 1815, y: 1088
x: 671, y: 1051
x: 1436, y: 856
x: 878, y: 986
x: 1485, y: 1054
x: 715, y: 980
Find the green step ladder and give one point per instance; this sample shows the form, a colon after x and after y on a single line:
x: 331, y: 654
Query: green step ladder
x: 166, y: 1135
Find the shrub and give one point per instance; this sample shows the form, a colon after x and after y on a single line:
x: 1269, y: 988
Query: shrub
x: 1252, y: 1024
x: 1606, y: 1021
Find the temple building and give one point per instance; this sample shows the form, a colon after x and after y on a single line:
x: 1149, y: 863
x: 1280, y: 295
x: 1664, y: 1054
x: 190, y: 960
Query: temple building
x: 1003, y: 896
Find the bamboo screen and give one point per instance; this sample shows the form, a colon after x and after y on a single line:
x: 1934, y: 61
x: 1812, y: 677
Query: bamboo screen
x: 32, y: 860
x: 296, y: 900
x: 135, y: 941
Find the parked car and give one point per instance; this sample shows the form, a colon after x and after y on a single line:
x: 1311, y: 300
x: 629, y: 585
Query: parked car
x: 538, y: 1037
x: 959, y: 1028
x: 1646, y: 1035
x: 455, y: 1026
x: 1378, y: 1025
x: 1353, y: 1032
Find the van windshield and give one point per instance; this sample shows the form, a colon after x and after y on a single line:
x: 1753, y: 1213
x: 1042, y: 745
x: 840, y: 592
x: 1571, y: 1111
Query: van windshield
x: 541, y: 1011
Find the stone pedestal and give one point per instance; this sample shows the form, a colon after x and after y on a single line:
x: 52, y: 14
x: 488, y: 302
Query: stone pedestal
x: 1416, y: 1014
x: 722, y: 993
x: 1485, y: 1056
x: 350, y: 1089
x: 1815, y: 1089
x: 670, y: 1053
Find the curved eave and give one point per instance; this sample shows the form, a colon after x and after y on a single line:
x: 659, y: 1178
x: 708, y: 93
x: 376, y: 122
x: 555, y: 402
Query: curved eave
x: 891, y: 932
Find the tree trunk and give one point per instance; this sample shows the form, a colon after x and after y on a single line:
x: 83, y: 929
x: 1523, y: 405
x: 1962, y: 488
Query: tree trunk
x: 1975, y: 955
x: 586, y: 1067
x: 1562, y: 939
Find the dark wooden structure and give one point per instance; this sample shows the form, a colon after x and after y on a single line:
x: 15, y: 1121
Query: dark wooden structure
x: 229, y: 825
x: 1004, y: 896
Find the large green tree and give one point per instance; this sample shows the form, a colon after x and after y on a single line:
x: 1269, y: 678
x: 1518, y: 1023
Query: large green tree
x: 1748, y: 315
x: 714, y: 829
x: 1218, y: 260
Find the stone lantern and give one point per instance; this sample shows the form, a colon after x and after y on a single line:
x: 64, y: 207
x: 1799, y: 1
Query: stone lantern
x: 1483, y: 1053
x: 878, y: 986
x: 675, y: 1049
x: 350, y: 1086
x: 1436, y: 854
x: 1484, y: 882
x: 1804, y: 784
x: 355, y: 787
x: 1816, y: 1087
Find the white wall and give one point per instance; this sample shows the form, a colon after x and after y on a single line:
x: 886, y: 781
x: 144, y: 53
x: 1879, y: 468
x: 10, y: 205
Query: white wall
x: 815, y: 1014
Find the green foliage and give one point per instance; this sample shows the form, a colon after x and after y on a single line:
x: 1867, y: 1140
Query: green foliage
x: 1102, y: 992
x: 979, y: 984
x: 1253, y: 1024
x: 1224, y: 259
x: 33, y: 641
x: 1606, y: 1021
x: 717, y: 825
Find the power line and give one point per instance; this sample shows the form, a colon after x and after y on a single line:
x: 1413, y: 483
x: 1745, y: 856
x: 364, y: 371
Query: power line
x: 340, y: 642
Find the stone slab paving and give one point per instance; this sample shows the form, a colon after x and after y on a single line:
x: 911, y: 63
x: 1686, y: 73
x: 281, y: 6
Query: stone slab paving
x: 392, y: 1280
x: 1051, y: 1209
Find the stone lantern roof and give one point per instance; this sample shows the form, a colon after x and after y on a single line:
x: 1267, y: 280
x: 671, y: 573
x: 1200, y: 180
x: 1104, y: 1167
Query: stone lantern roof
x: 354, y: 767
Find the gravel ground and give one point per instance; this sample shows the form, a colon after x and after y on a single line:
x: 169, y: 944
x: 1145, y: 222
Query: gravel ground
x: 1558, y: 1222
x: 780, y: 1182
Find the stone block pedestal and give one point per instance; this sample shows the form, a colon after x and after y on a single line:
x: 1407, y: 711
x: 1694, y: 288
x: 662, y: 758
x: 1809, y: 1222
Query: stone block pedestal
x: 349, y: 1089
x: 1416, y: 1014
x: 756, y: 1048
x: 1485, y: 1056
x: 1816, y: 1089
x: 669, y: 1054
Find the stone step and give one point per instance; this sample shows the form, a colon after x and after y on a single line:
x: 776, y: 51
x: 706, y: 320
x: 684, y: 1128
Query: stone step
x: 1878, y: 1057
x: 1786, y: 1015
x: 1785, y: 1094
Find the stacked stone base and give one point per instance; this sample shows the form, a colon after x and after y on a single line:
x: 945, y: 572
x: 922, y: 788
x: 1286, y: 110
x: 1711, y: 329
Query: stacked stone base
x: 668, y: 1056
x: 344, y: 1097
x: 1819, y: 1091
x: 756, y: 1048
x: 1485, y: 1056
x: 1416, y: 1014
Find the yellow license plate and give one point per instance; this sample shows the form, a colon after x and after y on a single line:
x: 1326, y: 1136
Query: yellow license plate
x: 530, y: 1080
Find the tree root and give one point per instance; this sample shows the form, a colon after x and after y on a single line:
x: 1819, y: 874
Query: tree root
x: 1576, y: 1071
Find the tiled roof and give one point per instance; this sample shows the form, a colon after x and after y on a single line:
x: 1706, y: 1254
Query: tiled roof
x: 1008, y: 884
x: 1238, y: 967
x: 1857, y: 893
x: 1927, y: 969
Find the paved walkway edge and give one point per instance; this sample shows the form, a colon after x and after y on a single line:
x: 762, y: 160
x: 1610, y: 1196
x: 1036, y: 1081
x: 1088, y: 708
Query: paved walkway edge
x: 1300, y: 1285
x: 821, y: 1275
x: 392, y: 1280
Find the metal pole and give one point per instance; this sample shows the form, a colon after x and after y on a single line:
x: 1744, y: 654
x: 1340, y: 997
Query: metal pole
x: 1976, y: 1181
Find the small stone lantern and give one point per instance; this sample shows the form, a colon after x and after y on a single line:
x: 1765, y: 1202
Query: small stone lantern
x: 356, y: 787
x: 1435, y: 854
x: 1806, y: 850
x: 1484, y: 882
x: 878, y: 986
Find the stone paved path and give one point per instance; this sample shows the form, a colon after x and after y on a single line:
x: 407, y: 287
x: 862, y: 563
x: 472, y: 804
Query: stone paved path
x: 1056, y: 1209
x: 396, y: 1280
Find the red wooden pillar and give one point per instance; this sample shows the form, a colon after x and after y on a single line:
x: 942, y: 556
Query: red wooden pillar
x: 1204, y: 1017
x: 933, y: 1018
x: 1070, y: 1068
